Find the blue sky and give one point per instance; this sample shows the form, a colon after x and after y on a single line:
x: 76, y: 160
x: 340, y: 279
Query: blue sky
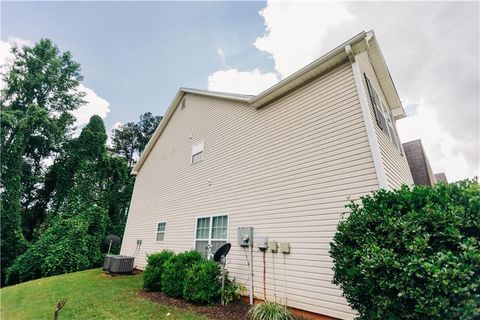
x: 135, y: 56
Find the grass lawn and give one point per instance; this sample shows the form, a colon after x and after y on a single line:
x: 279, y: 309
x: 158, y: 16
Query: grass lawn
x: 91, y: 295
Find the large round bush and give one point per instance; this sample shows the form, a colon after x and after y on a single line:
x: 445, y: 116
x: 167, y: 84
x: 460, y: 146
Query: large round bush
x: 203, y: 283
x: 153, y: 271
x: 174, y: 271
x: 412, y: 253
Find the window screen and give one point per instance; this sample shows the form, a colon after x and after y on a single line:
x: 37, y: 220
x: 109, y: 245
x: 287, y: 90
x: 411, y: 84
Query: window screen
x: 161, y: 231
x: 383, y: 115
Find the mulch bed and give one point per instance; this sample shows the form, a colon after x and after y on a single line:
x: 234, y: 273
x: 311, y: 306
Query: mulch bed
x: 237, y: 310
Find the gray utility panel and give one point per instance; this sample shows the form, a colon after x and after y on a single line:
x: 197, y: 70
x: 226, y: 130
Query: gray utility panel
x: 245, y: 236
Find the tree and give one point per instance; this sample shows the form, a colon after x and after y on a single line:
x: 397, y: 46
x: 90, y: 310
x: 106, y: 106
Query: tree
x: 130, y: 139
x: 412, y: 253
x: 41, y: 89
x: 54, y: 217
x: 146, y: 127
x: 97, y: 189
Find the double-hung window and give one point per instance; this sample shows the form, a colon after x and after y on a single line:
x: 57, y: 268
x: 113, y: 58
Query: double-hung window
x: 160, y: 231
x: 212, y: 231
x: 383, y: 115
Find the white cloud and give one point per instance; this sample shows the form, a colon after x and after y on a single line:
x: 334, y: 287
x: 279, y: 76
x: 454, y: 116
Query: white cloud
x: 246, y: 82
x: 417, y: 41
x: 95, y: 104
x: 295, y: 30
x: 293, y: 38
x: 19, y: 41
x: 6, y: 53
x: 440, y: 146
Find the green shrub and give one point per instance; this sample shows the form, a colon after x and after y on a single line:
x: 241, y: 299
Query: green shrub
x: 232, y: 290
x: 153, y: 271
x: 174, y: 271
x: 270, y: 311
x: 203, y: 283
x: 412, y: 253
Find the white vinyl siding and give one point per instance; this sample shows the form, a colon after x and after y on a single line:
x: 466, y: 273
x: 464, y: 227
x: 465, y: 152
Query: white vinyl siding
x: 287, y: 170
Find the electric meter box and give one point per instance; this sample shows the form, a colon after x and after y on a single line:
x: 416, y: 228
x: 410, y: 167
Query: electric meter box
x: 245, y: 236
x: 261, y: 243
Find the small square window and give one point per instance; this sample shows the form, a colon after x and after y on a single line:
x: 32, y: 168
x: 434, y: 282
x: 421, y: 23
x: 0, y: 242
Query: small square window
x: 161, y: 231
x: 197, y: 152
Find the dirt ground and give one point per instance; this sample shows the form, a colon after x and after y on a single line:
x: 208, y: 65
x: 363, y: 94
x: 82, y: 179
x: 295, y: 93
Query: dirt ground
x: 237, y: 310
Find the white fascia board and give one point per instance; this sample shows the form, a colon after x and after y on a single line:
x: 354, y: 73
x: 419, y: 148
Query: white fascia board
x: 301, y: 76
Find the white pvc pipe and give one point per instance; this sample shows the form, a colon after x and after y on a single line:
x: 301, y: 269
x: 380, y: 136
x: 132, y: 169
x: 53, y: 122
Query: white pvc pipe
x: 251, y: 274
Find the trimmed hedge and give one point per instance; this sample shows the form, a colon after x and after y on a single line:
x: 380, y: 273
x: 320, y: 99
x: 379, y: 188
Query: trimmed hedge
x: 154, y: 269
x: 203, y: 283
x: 175, y: 270
x: 412, y: 253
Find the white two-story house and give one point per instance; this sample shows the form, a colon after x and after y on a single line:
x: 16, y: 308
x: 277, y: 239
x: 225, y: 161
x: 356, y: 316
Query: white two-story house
x: 284, y: 162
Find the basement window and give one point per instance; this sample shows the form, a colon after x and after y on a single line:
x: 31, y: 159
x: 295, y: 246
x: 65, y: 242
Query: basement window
x: 211, y: 231
x: 161, y: 231
x: 197, y: 152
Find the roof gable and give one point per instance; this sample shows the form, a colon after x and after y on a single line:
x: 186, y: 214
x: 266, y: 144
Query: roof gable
x: 364, y: 41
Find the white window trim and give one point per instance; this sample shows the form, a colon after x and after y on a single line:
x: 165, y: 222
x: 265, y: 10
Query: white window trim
x: 156, y: 231
x: 197, y: 148
x: 210, y: 228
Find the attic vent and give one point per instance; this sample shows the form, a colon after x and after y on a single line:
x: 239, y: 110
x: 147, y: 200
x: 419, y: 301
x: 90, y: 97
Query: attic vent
x: 183, y: 105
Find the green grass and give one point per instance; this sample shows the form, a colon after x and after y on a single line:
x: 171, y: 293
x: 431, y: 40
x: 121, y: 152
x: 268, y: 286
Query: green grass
x: 91, y: 295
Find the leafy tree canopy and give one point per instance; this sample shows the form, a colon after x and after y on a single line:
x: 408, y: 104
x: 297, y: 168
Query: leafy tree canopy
x: 130, y: 139
x: 41, y: 88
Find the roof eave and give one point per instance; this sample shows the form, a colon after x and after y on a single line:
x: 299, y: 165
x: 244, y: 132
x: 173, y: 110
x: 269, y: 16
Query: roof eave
x: 308, y: 72
x: 360, y: 42
x: 385, y: 78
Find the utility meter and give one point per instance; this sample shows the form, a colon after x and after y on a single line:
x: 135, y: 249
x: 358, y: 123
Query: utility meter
x: 245, y: 236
